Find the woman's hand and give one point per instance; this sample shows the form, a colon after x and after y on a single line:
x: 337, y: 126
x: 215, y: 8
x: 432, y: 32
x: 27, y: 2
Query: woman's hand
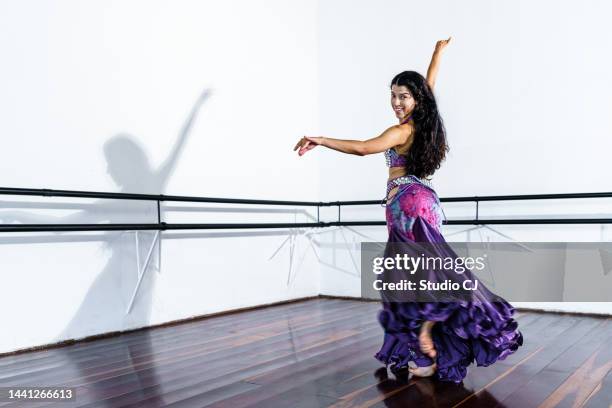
x: 308, y: 143
x: 434, y: 65
x: 440, y: 45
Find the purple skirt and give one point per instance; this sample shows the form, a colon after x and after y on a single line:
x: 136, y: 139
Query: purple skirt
x: 482, y: 331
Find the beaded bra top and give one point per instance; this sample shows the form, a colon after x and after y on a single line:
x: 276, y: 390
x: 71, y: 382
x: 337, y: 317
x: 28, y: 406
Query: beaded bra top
x: 393, y: 158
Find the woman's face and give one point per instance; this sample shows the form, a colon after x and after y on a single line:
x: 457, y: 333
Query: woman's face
x: 402, y: 101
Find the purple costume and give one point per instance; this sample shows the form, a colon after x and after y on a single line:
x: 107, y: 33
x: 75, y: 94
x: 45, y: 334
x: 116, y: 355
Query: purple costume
x: 465, y: 331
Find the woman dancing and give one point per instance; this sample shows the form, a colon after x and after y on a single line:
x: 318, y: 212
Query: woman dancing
x: 427, y: 338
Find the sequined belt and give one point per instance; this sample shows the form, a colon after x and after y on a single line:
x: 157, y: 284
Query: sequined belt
x: 398, y: 181
x: 410, y: 179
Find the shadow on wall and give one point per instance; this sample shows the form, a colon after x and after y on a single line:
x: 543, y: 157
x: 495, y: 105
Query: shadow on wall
x: 104, y: 306
x: 125, y: 368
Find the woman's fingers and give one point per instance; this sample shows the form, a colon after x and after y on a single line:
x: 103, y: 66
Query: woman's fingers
x: 304, y: 149
x: 305, y: 144
x: 307, y: 147
x: 300, y: 143
x: 443, y: 43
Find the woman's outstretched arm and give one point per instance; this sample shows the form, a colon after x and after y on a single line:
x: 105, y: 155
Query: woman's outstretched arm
x: 434, y: 65
x: 394, y: 136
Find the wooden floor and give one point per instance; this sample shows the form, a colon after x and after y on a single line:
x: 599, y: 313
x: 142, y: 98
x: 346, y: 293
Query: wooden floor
x: 315, y: 353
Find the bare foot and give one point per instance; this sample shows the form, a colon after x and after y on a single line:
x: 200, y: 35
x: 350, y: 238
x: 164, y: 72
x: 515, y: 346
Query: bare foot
x: 423, y: 371
x: 425, y: 341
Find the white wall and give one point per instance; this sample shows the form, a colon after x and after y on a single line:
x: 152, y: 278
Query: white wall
x: 97, y: 96
x: 523, y: 89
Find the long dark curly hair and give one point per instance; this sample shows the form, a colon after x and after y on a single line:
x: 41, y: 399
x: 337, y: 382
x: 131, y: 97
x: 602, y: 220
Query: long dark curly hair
x: 429, y: 146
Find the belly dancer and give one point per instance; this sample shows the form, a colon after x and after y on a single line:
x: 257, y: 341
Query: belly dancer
x: 432, y: 338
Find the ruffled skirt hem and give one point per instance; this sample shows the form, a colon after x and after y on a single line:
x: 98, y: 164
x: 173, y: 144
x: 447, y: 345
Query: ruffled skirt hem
x: 482, y: 333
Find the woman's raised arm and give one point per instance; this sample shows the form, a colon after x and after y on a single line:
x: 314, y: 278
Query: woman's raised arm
x: 434, y: 65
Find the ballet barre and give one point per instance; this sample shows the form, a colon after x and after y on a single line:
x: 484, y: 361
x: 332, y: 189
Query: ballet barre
x: 160, y: 226
x: 163, y: 226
